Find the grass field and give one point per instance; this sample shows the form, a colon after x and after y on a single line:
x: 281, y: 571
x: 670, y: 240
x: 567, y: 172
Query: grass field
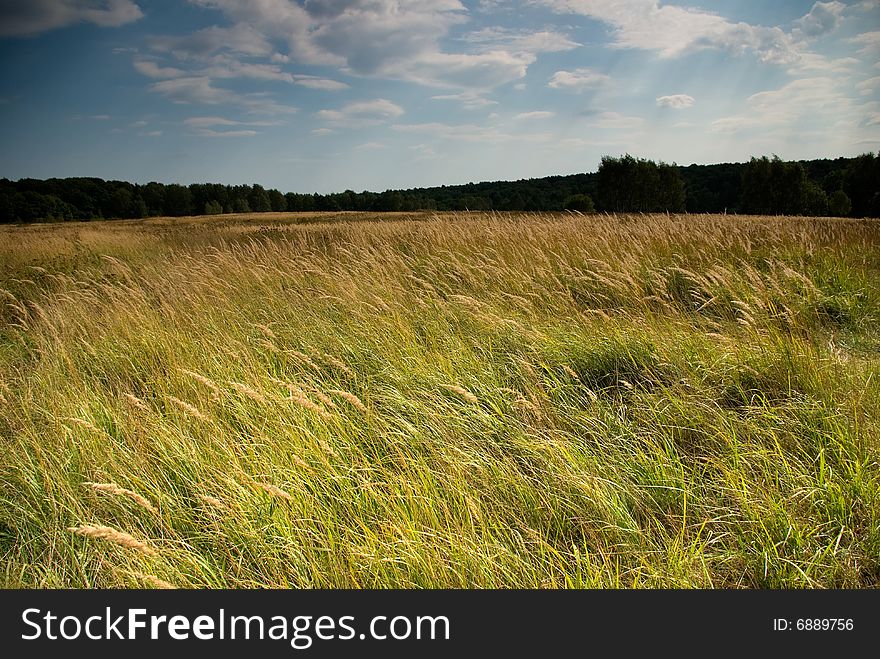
x: 441, y: 401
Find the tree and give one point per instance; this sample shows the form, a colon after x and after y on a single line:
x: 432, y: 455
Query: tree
x: 773, y: 187
x: 628, y: 184
x: 277, y: 201
x: 862, y: 185
x: 671, y: 196
x: 839, y: 204
x: 213, y: 207
x: 582, y: 203
x: 259, y: 199
x: 121, y: 203
x: 154, y: 197
x: 178, y: 200
x: 815, y: 200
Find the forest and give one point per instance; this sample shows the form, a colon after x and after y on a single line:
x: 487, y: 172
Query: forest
x: 762, y: 186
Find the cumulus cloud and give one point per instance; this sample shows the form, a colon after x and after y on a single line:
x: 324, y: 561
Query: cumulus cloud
x: 577, y: 80
x: 469, y: 100
x: 824, y: 17
x: 240, y: 38
x: 677, y: 101
x: 818, y: 98
x: 224, y: 66
x: 324, y: 84
x: 519, y: 41
x: 471, y: 133
x: 18, y: 19
x: 869, y: 86
x: 207, y: 132
x: 537, y: 114
x: 869, y: 42
x: 198, y: 89
x: 151, y: 69
x: 672, y: 30
x: 398, y: 39
x: 223, y: 127
x: 362, y: 113
x: 812, y: 63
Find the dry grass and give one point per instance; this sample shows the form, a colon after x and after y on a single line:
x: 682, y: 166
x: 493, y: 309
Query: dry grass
x: 457, y: 400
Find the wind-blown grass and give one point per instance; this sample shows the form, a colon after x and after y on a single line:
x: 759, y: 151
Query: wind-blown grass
x: 441, y: 401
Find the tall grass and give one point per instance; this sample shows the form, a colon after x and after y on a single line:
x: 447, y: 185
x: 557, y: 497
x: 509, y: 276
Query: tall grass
x: 441, y: 401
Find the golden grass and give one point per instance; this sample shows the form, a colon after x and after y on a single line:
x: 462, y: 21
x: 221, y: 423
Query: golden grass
x: 441, y: 400
x: 113, y: 535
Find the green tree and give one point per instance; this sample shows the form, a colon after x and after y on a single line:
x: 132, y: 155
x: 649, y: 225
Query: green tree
x: 277, y: 201
x: 259, y: 199
x: 815, y: 200
x: 862, y: 185
x: 178, y: 200
x: 773, y: 187
x: 628, y: 184
x: 839, y: 204
x: 582, y: 203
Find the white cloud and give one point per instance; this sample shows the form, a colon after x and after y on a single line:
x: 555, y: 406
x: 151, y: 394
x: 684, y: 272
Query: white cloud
x: 153, y: 70
x: 672, y: 30
x: 677, y: 101
x: 362, y: 113
x: 207, y: 126
x: 207, y: 132
x: 471, y: 133
x: 224, y: 66
x: 869, y: 86
x: 241, y: 38
x: 519, y: 41
x: 870, y: 42
x: 205, y: 122
x: 807, y: 99
x: 577, y: 80
x: 537, y: 114
x: 823, y: 18
x: 369, y: 146
x: 398, y: 39
x: 36, y: 16
x: 321, y: 132
x: 324, y: 84
x: 198, y: 89
x: 481, y: 71
x: 815, y: 63
x: 469, y: 100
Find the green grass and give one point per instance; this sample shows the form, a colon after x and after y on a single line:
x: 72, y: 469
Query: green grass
x: 442, y: 401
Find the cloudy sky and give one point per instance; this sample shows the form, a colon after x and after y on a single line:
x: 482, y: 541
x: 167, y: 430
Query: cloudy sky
x: 325, y: 95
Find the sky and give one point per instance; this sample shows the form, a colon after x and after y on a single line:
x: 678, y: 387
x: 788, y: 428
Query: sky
x: 329, y: 95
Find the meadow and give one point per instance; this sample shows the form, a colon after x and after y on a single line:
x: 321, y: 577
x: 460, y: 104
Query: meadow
x: 441, y: 400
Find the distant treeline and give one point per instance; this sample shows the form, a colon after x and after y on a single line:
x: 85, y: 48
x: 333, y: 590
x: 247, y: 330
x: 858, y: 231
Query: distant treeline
x: 843, y: 186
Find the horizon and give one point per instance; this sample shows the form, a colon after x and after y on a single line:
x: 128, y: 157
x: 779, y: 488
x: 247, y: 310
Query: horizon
x: 331, y: 95
x: 431, y: 186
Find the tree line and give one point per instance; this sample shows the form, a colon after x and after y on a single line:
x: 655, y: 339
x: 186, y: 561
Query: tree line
x: 767, y: 186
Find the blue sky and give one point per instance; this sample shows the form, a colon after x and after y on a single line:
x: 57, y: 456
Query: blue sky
x: 328, y: 95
